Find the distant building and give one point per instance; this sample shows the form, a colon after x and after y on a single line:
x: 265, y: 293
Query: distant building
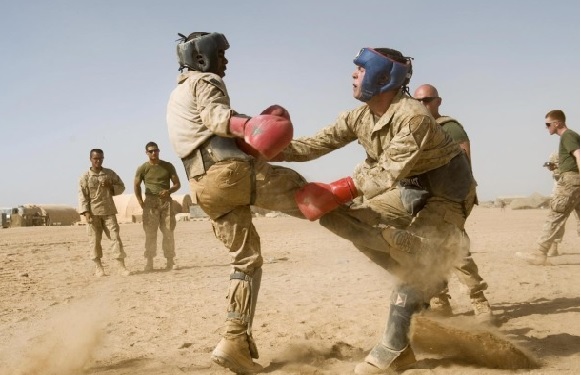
x: 29, y: 215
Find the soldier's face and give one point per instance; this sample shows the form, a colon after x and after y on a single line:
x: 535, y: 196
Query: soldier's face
x: 97, y: 160
x: 357, y: 76
x: 222, y: 62
x: 551, y: 125
x: 153, y: 153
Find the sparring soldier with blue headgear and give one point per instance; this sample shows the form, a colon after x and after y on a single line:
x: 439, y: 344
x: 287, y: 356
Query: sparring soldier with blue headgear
x: 225, y: 156
x: 404, y: 206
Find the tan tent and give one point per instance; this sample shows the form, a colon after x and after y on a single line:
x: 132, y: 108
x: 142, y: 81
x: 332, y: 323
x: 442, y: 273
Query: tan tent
x: 129, y: 210
x: 182, y: 203
x: 127, y: 207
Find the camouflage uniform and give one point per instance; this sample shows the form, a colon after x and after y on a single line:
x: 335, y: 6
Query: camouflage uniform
x: 226, y: 182
x: 99, y: 202
x: 554, y: 248
x: 404, y: 143
x: 466, y: 270
x: 412, y: 165
x: 158, y: 213
x: 564, y: 201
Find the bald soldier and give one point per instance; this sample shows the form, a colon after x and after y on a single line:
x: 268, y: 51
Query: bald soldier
x: 466, y: 270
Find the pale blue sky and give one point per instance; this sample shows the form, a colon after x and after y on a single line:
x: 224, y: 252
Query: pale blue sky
x: 77, y: 75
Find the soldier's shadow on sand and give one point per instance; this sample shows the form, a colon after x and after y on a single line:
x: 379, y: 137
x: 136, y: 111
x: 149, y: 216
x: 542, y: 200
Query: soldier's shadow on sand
x: 541, y: 306
x: 131, y: 363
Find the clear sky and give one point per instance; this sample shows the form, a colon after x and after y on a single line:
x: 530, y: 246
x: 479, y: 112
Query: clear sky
x: 77, y: 75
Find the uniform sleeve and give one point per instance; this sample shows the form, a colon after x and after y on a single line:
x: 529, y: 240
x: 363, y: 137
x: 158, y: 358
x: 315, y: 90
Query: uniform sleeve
x: 214, y: 105
x: 84, y: 196
x: 139, y: 173
x: 118, y: 185
x: 570, y: 142
x: 456, y: 131
x: 330, y: 138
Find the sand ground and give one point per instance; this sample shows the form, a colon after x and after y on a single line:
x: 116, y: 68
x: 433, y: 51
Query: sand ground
x: 321, y: 307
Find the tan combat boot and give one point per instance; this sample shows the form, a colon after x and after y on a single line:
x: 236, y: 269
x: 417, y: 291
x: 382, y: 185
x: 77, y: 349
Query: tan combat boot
x: 440, y: 305
x: 554, y: 249
x: 149, y: 265
x: 481, y: 306
x: 99, y: 271
x: 122, y: 270
x: 234, y: 354
x: 536, y: 258
x: 171, y: 265
x: 375, y: 366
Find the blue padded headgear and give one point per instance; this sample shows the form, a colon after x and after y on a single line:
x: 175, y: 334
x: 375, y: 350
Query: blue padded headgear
x: 379, y: 68
x: 199, y: 51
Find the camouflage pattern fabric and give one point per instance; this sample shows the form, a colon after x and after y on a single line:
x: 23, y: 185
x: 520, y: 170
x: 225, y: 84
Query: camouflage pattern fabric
x: 158, y: 213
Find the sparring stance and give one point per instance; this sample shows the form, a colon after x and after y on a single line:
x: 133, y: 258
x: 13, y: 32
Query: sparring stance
x: 210, y: 138
x: 408, y: 201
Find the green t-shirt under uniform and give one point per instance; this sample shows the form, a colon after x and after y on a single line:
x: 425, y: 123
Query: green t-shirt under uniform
x: 156, y: 177
x: 569, y: 143
x: 453, y: 128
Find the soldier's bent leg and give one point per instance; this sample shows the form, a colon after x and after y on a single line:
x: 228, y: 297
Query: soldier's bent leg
x: 393, y: 351
x: 348, y: 227
x: 467, y: 273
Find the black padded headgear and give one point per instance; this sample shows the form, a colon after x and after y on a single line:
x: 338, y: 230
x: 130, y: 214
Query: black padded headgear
x: 199, y: 51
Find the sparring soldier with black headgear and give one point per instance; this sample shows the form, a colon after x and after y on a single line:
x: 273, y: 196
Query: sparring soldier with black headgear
x: 404, y: 207
x: 225, y: 156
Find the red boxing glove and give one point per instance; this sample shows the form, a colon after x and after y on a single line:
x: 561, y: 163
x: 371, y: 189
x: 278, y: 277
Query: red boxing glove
x: 316, y: 199
x: 267, y: 134
x: 276, y: 110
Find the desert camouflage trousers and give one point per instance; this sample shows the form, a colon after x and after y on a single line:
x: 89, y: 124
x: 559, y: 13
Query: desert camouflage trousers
x: 420, y: 250
x: 104, y: 224
x: 226, y: 193
x: 158, y: 214
x: 564, y: 201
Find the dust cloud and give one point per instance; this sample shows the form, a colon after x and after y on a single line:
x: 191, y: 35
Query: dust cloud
x: 64, y: 345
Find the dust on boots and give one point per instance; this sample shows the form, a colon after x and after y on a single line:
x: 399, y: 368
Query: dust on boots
x: 234, y: 354
x: 100, y: 271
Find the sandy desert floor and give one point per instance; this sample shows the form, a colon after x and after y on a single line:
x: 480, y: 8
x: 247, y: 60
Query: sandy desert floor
x: 322, y: 304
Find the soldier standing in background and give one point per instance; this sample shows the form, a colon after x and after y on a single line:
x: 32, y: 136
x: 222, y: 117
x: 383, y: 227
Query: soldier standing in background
x: 566, y: 195
x: 97, y: 187
x: 553, y: 166
x: 466, y: 270
x: 158, y: 212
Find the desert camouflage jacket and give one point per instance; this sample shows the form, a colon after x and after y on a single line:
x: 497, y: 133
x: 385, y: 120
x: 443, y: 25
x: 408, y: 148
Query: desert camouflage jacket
x: 95, y: 198
x: 406, y: 141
